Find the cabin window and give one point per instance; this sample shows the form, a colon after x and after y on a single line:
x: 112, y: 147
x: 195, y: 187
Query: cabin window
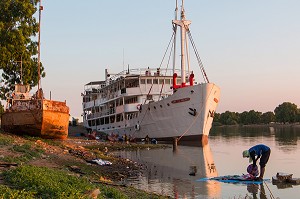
x: 143, y: 81
x: 106, y: 120
x: 112, y: 119
x: 131, y: 100
x: 149, y: 81
x: 98, y: 122
x: 167, y: 81
x: 161, y: 81
x: 155, y: 81
x: 123, y: 90
x: 101, y: 121
x: 118, y: 118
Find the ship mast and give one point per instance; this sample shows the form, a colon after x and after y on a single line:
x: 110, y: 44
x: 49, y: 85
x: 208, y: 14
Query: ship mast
x: 39, y: 48
x: 175, y: 30
x: 184, y: 26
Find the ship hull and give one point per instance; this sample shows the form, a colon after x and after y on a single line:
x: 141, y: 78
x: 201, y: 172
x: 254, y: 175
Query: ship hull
x: 187, y: 114
x: 42, y: 118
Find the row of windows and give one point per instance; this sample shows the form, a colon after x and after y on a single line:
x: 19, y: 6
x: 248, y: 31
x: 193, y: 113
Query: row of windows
x: 112, y: 119
x: 156, y: 81
x: 106, y: 120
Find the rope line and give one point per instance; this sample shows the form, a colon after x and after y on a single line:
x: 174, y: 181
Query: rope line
x: 147, y: 108
x: 198, y: 57
x: 196, y: 117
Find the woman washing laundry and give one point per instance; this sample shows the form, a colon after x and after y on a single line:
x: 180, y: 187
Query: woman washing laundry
x: 256, y: 152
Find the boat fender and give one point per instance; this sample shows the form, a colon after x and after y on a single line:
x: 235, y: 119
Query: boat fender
x: 137, y: 127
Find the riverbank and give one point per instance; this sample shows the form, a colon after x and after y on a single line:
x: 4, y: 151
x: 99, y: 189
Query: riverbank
x: 24, y: 161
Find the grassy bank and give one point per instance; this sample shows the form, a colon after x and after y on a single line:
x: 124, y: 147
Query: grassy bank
x: 35, y: 168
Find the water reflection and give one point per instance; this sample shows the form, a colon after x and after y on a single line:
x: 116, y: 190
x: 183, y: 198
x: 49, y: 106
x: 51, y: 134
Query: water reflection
x: 257, y: 191
x: 175, y: 174
x: 283, y: 134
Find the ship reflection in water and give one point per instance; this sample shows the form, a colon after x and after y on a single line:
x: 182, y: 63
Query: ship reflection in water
x: 174, y: 173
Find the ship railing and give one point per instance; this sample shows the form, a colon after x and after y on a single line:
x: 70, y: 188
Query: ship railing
x: 146, y: 72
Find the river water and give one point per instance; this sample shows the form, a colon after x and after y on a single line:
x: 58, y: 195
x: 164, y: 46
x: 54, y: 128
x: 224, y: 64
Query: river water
x: 168, y: 171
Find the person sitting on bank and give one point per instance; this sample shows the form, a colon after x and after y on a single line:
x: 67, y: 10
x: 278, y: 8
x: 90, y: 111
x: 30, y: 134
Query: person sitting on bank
x: 254, y: 153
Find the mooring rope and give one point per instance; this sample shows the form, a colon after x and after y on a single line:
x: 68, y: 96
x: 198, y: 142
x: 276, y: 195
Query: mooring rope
x: 196, y: 116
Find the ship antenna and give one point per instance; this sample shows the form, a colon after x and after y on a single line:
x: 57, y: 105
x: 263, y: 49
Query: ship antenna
x: 39, y: 48
x: 123, y: 58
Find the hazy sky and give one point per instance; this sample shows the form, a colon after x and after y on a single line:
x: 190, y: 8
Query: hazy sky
x: 250, y: 49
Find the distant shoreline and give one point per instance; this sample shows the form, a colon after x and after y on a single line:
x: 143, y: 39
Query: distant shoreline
x: 296, y: 125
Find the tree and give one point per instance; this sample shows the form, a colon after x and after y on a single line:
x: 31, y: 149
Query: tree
x: 229, y: 118
x: 286, y: 112
x: 17, y: 28
x: 244, y: 118
x: 251, y: 117
x: 268, y: 117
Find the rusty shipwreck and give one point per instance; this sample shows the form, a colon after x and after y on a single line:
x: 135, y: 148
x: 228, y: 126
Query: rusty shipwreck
x: 34, y: 115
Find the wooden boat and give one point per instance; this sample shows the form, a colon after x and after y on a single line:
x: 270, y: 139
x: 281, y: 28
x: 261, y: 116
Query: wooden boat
x: 32, y: 114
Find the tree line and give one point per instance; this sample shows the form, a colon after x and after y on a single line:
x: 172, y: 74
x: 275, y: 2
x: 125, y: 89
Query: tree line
x: 286, y: 112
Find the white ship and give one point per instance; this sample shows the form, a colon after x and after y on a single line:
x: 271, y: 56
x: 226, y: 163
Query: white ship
x: 160, y: 103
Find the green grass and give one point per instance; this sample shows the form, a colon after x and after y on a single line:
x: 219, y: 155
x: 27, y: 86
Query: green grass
x: 8, y: 193
x: 52, y: 142
x: 5, y: 140
x: 41, y: 182
x: 47, y: 183
x: 27, y: 153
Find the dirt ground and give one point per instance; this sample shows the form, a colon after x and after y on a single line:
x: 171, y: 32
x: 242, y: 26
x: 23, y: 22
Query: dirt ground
x: 72, y: 154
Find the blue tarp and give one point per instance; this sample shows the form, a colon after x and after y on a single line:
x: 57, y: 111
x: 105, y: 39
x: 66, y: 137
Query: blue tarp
x: 232, y: 179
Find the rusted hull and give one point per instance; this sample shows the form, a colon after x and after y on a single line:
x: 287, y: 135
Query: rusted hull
x: 47, y: 119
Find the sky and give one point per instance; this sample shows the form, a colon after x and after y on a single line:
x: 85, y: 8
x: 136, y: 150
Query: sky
x: 250, y: 49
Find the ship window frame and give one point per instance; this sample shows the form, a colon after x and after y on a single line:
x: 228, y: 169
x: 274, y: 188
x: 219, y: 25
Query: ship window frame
x: 155, y: 81
x: 143, y: 81
x: 149, y: 81
x: 106, y: 120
